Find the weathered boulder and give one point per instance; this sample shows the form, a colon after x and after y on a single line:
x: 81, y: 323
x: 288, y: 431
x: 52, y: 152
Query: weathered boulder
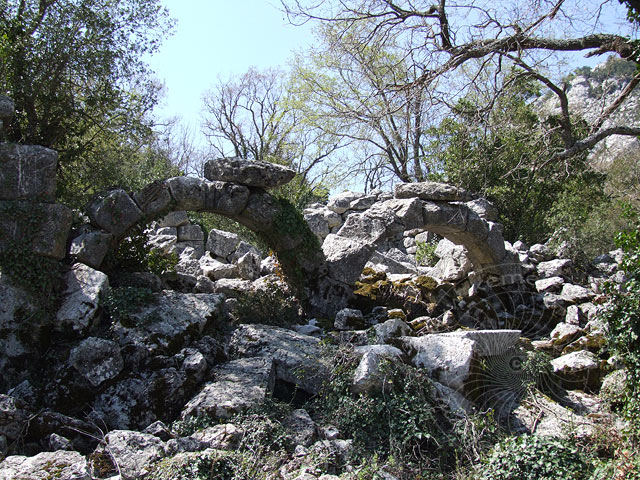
x: 249, y: 266
x: 97, y: 360
x: 432, y: 191
x: 550, y: 284
x: 133, y: 452
x: 368, y: 376
x: 301, y: 429
x: 61, y: 465
x: 90, y: 248
x: 554, y: 268
x: 222, y: 244
x: 390, y: 329
x: 246, y: 172
x: 15, y: 306
x: 171, y: 321
x: 215, y: 270
x: 189, y: 193
x: 85, y: 290
x: 298, y: 358
x: 578, y: 370
x: 114, y: 212
x: 188, y: 233
x: 225, y: 436
x: 225, y: 198
x: 345, y: 258
x: 454, y: 263
x: 348, y: 319
x: 341, y: 202
x: 27, y: 172
x: 236, y: 386
x: 575, y: 293
x: 174, y: 219
x: 13, y: 418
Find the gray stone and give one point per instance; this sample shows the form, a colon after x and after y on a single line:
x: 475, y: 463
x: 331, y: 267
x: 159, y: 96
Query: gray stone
x: 160, y: 430
x: 348, y: 319
x: 249, y: 266
x: 15, y: 302
x: 575, y: 293
x: 341, y: 202
x: 578, y: 370
x: 390, y: 329
x: 447, y: 359
x: 345, y: 258
x: 189, y: 193
x: 27, y: 172
x: 454, y: 263
x: 197, y: 247
x: 225, y: 436
x: 246, y: 172
x: 385, y: 262
x: 564, y: 333
x: 170, y: 231
x: 46, y: 235
x: 484, y: 209
x: 368, y: 376
x: 175, y: 446
x: 215, y: 270
x: 81, y: 300
x: 333, y: 219
x: 301, y: 429
x: 551, y: 284
x: 13, y: 419
x: 163, y: 243
x: 232, y: 287
x: 97, y: 360
x: 222, y: 244
x: 61, y: 465
x: 91, y: 248
x: 237, y: 385
x: 114, y: 212
x: 171, y: 321
x: 153, y: 199
x: 188, y: 233
x: 431, y: 191
x: 7, y: 108
x: 227, y: 199
x: 489, y: 342
x: 362, y: 203
x: 554, y: 268
x: 317, y: 222
x: 174, y: 219
x: 133, y: 452
x: 58, y: 442
x: 540, y: 253
x: 126, y: 404
x: 298, y: 358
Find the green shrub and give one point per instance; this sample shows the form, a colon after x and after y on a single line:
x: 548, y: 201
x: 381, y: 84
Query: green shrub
x: 134, y: 254
x: 426, y: 253
x: 271, y: 305
x: 623, y: 317
x: 123, y: 301
x: 535, y: 458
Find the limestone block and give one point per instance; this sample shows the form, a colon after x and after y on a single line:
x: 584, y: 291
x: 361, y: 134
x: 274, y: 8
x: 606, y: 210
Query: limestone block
x: 432, y: 191
x: 246, y: 172
x: 153, y: 199
x: 222, y: 244
x: 237, y: 385
x: 90, y: 248
x: 341, y: 202
x: 578, y: 370
x: 551, y: 284
x: 85, y: 289
x: 134, y: 452
x: 369, y: 377
x: 97, y: 360
x: 554, y: 268
x: 174, y: 219
x: 196, y: 245
x: 189, y: 193
x: 345, y: 257
x: 114, y: 212
x: 27, y: 172
x: 226, y: 198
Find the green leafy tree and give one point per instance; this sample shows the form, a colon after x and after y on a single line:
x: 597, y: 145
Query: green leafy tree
x: 75, y: 71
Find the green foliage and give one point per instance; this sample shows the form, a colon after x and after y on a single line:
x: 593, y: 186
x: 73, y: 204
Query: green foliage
x: 426, y: 253
x: 134, y: 254
x: 195, y: 466
x: 623, y: 317
x: 535, y: 458
x: 491, y: 155
x: 272, y: 305
x: 401, y: 420
x: 34, y: 273
x: 123, y: 301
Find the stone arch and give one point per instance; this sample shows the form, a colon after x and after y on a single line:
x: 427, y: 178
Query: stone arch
x: 326, y: 274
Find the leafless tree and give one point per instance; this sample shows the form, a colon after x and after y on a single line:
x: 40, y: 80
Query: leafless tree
x: 454, y: 42
x: 254, y: 116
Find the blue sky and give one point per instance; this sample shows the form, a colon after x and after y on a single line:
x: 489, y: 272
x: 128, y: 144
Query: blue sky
x: 218, y: 38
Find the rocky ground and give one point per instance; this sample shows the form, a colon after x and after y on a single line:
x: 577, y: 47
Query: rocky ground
x: 142, y: 376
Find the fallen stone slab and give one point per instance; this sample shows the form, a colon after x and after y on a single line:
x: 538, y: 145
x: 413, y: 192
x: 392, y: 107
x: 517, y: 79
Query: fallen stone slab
x: 236, y: 386
x: 298, y: 358
x: 246, y: 172
x: 85, y: 290
x: 578, y: 370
